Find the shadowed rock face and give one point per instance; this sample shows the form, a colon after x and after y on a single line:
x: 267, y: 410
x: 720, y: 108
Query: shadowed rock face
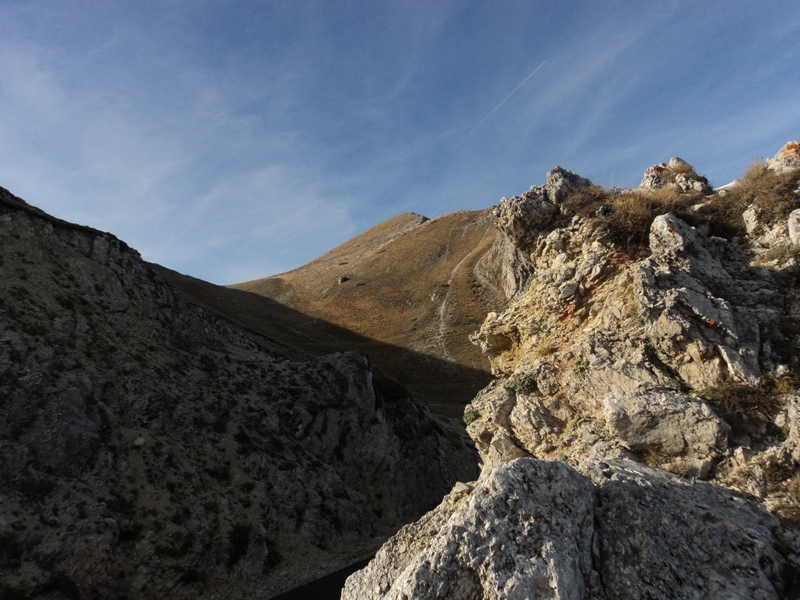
x: 647, y: 368
x: 149, y: 450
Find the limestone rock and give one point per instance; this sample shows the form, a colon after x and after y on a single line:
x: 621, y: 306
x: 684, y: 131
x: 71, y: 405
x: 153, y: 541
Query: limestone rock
x: 660, y: 536
x: 763, y: 235
x: 596, y: 358
x: 668, y: 424
x: 677, y: 173
x: 704, y: 304
x: 524, y: 532
x: 560, y: 182
x: 504, y: 268
x: 533, y: 529
x: 522, y: 218
x: 793, y: 226
x: 787, y: 159
x: 791, y: 424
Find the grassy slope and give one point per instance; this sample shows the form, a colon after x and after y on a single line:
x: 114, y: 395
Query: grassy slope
x: 410, y: 302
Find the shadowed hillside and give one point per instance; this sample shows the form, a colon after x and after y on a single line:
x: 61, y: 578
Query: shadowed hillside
x: 411, y: 289
x: 443, y: 385
x: 149, y: 449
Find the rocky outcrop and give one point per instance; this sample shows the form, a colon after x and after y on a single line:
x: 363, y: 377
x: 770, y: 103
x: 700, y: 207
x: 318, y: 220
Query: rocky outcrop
x: 616, y: 529
x: 150, y: 450
x: 706, y: 310
x: 597, y: 321
x: 677, y: 173
x: 786, y: 160
x: 523, y: 531
x: 661, y: 367
x: 521, y: 218
x: 503, y: 269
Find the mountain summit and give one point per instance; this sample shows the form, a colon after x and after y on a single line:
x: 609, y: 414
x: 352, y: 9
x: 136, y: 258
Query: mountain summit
x: 407, y: 292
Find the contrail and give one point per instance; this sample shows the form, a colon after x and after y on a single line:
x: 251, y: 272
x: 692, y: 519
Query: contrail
x: 474, y: 129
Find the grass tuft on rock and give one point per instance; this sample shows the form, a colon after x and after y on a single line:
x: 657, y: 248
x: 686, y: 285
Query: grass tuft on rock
x: 471, y: 415
x: 628, y: 214
x: 745, y: 407
x: 773, y: 195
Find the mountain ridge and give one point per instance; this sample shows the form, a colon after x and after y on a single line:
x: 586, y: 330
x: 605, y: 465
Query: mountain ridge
x: 413, y: 283
x: 641, y: 438
x: 150, y: 448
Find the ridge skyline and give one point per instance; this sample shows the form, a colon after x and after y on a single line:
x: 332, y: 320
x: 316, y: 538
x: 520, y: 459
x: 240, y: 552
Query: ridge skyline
x: 236, y: 143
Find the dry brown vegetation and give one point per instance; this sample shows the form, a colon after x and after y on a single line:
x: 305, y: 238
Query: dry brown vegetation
x: 670, y: 175
x: 409, y: 301
x: 772, y: 194
x: 748, y: 408
x: 628, y: 214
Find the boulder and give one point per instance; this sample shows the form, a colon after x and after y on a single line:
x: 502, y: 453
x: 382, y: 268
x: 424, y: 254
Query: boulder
x: 787, y: 159
x: 610, y: 529
x: 666, y: 423
x: 524, y: 532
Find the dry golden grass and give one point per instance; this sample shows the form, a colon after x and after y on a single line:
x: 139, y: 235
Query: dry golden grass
x: 544, y: 347
x: 669, y: 176
x: 780, y: 253
x: 652, y: 458
x: 396, y: 295
x: 772, y: 195
x: 410, y: 302
x: 783, y: 483
x: 628, y: 214
x: 681, y: 467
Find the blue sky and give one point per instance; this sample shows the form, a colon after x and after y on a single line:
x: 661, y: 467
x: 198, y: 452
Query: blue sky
x: 234, y: 140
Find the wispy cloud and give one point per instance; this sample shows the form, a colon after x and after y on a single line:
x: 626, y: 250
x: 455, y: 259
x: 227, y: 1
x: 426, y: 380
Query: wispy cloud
x: 232, y: 142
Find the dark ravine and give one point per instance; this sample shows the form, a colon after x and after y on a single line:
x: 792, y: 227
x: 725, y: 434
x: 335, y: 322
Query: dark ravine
x: 325, y: 588
x: 148, y: 449
x: 443, y: 386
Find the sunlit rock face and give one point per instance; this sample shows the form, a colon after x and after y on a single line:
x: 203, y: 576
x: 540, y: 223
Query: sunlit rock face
x: 787, y: 159
x: 640, y: 438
